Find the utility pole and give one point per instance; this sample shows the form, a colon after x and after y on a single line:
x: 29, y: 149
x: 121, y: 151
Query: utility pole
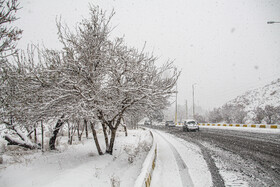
x: 187, y: 109
x: 193, y: 100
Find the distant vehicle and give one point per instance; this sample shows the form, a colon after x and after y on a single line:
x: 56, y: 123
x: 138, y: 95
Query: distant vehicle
x: 190, y: 125
x: 147, y: 122
x: 180, y: 123
x: 169, y: 124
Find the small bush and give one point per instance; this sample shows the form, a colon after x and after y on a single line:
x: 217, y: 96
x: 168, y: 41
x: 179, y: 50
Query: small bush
x: 2, y: 147
x: 115, y: 181
x: 132, y: 152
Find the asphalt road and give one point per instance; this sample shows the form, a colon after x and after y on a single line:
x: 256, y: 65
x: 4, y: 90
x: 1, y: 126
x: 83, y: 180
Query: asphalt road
x: 237, y: 158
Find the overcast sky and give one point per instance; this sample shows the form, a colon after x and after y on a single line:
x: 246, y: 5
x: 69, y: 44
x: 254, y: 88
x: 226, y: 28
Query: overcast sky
x: 225, y: 47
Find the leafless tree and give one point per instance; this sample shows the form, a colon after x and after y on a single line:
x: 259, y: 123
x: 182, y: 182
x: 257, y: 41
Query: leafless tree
x: 270, y: 114
x: 108, y: 76
x: 259, y: 115
x: 8, y: 34
x: 226, y: 112
x: 239, y: 114
x: 200, y: 118
x: 92, y: 78
x: 215, y: 115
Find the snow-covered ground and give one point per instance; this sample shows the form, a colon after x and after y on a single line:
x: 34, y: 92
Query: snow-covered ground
x: 178, y: 163
x: 78, y: 165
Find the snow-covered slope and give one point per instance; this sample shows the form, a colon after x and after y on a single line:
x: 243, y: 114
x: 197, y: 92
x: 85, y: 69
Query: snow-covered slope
x: 267, y: 95
x: 260, y: 97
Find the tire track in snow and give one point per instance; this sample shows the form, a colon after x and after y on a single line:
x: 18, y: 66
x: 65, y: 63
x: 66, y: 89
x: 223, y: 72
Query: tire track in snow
x: 183, y: 169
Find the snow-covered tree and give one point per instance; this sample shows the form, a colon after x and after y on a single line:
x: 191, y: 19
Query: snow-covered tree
x: 8, y: 34
x: 268, y: 114
x: 259, y: 115
x: 200, y: 118
x: 271, y: 114
x: 133, y: 83
x: 226, y: 112
x: 215, y: 115
x: 113, y: 78
x: 233, y: 113
x: 238, y: 114
x: 93, y: 78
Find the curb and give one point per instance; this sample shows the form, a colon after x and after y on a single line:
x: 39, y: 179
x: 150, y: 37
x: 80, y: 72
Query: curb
x: 145, y: 177
x: 274, y: 126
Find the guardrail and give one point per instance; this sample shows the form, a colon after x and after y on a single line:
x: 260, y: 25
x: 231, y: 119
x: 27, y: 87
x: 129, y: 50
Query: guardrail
x: 273, y: 126
x: 145, y: 177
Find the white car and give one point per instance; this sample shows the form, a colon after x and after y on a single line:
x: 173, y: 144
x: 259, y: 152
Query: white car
x: 190, y: 125
x: 169, y: 124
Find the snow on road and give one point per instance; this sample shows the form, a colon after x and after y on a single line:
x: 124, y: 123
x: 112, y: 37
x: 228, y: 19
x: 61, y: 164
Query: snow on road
x: 239, y: 156
x: 179, y: 163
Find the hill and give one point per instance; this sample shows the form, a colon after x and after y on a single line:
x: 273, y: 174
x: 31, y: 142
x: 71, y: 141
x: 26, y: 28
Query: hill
x: 268, y: 95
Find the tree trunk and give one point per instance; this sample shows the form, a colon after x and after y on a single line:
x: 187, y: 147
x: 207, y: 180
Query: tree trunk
x: 55, y: 132
x: 86, y: 127
x: 29, y: 133
x: 24, y: 139
x: 42, y: 129
x: 72, y: 133
x: 69, y: 135
x: 35, y: 134
x: 78, y: 131
x: 112, y: 141
x: 70, y: 141
x: 124, y: 126
x: 125, y: 130
x: 14, y: 142
x: 104, y: 127
x: 269, y: 119
x: 113, y: 135
x: 95, y: 139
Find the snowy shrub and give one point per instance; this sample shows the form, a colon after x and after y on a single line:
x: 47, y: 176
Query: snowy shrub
x: 132, y: 151
x: 115, y: 181
x: 13, y: 148
x: 145, y: 146
x: 64, y: 146
x: 62, y: 143
x: 131, y: 159
x: 2, y: 146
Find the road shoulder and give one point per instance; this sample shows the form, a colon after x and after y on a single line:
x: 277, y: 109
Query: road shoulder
x: 192, y: 169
